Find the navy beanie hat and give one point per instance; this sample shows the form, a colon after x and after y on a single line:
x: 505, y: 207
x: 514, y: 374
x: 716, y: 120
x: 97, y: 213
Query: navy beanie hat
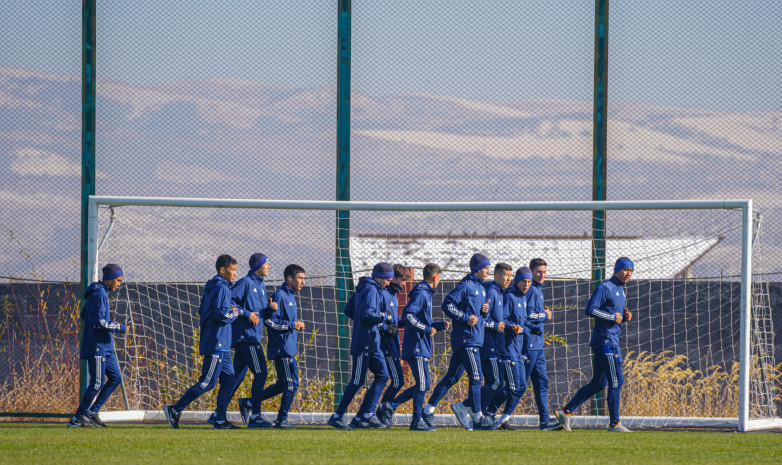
x: 478, y: 262
x: 383, y: 270
x: 622, y: 263
x: 257, y: 260
x: 111, y: 271
x: 522, y: 273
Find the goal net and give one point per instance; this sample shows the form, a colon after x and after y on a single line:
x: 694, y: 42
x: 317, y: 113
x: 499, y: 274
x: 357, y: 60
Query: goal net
x: 698, y: 352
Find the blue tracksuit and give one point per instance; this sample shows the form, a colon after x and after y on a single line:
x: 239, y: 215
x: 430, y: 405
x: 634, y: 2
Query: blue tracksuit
x: 282, y: 348
x: 389, y: 343
x: 534, y: 341
x: 608, y: 299
x: 216, y: 318
x: 365, y: 346
x: 249, y: 293
x: 465, y: 300
x: 417, y: 345
x: 515, y: 311
x: 493, y: 349
x: 97, y: 347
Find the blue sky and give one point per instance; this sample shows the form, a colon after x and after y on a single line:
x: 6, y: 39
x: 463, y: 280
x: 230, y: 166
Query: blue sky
x: 715, y: 54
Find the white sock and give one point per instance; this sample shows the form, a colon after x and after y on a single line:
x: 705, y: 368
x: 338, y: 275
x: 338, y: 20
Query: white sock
x: 477, y: 416
x: 429, y: 409
x: 505, y: 417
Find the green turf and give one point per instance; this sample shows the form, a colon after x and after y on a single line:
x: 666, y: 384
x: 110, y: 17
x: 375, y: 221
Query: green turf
x: 42, y: 443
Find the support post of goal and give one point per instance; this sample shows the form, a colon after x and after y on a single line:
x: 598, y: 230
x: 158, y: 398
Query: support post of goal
x: 746, y: 313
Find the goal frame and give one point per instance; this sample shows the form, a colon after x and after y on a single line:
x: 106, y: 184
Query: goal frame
x: 742, y: 423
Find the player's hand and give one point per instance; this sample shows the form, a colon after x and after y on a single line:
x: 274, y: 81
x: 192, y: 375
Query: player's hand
x: 628, y: 315
x: 447, y: 325
x: 548, y: 312
x: 472, y: 321
x: 389, y: 316
x: 500, y: 326
x: 516, y: 329
x: 618, y: 317
x: 273, y: 305
x: 126, y: 328
x: 298, y: 325
x: 254, y: 318
x: 432, y: 332
x: 485, y: 307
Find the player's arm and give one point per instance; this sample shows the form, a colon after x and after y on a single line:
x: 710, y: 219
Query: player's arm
x: 224, y: 309
x: 512, y: 323
x: 98, y: 311
x: 594, y: 310
x: 411, y: 315
x: 239, y: 296
x: 369, y: 309
x: 276, y: 322
x: 451, y: 305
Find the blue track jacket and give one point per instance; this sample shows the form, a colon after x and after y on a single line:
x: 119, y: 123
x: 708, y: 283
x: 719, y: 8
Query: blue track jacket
x: 465, y: 300
x: 390, y: 344
x: 493, y: 342
x: 368, y: 315
x: 279, y: 327
x: 609, y: 298
x: 533, y: 334
x: 514, y: 310
x: 249, y: 293
x: 417, y: 317
x: 98, y: 326
x: 216, y: 316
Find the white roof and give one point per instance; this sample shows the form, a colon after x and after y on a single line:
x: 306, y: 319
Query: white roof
x: 569, y: 257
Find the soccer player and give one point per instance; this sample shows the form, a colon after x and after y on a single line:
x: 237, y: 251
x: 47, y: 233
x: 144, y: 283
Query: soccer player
x: 282, y: 328
x: 217, y: 311
x: 250, y: 293
x: 365, y: 349
x: 389, y: 341
x: 97, y: 348
x: 493, y: 349
x: 607, y: 307
x: 465, y: 306
x: 535, y: 360
x: 515, y: 312
x: 417, y: 347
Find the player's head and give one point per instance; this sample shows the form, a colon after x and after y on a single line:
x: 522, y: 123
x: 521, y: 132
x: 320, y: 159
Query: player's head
x: 503, y: 274
x: 432, y: 274
x: 523, y: 279
x: 112, y: 276
x: 294, y: 276
x: 226, y: 266
x: 623, y: 269
x: 479, y: 265
x: 539, y: 268
x: 259, y: 264
x: 383, y: 273
x: 401, y: 275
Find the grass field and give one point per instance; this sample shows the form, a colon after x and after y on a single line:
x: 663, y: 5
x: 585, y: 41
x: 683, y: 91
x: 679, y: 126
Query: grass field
x: 42, y: 443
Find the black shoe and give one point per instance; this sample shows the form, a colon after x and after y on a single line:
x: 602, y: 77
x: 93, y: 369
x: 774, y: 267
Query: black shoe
x: 551, y: 425
x: 381, y: 415
x: 80, y: 422
x: 171, y: 416
x: 373, y: 422
x: 225, y: 425
x: 355, y: 423
x: 245, y: 409
x: 283, y: 424
x: 428, y: 418
x: 95, y: 419
x: 339, y: 423
x: 484, y: 423
x: 388, y: 413
x: 421, y: 425
x: 258, y: 421
x: 505, y: 426
x: 212, y: 419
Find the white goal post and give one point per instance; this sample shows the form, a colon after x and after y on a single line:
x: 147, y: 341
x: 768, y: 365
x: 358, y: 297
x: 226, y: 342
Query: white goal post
x: 742, y: 422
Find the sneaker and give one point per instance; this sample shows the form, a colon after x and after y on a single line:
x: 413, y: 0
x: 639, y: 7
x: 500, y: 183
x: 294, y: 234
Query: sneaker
x: 372, y: 422
x: 282, y: 424
x: 505, y: 426
x: 171, y: 416
x: 212, y: 419
x: 389, y: 412
x: 619, y: 428
x: 564, y: 419
x: 428, y: 418
x: 462, y: 415
x: 80, y: 422
x: 245, y: 409
x: 355, y: 423
x: 484, y: 423
x: 258, y: 421
x: 225, y: 425
x: 421, y: 425
x: 551, y: 425
x: 95, y: 419
x: 339, y: 423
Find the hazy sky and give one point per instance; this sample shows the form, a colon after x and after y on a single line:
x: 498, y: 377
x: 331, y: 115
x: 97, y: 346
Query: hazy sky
x: 711, y: 54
